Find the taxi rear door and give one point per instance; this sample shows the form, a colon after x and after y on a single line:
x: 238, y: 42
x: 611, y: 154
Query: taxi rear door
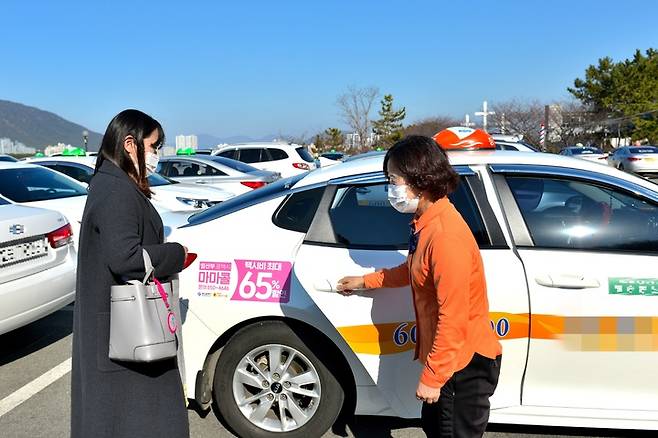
x: 588, y: 242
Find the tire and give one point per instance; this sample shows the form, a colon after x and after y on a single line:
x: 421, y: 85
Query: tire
x: 236, y: 378
x: 621, y: 167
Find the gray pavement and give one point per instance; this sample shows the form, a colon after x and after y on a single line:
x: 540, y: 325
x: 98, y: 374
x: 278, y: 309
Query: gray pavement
x: 27, y: 353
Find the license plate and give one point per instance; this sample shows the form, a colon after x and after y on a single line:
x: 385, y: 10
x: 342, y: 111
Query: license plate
x: 22, y: 252
x: 650, y: 159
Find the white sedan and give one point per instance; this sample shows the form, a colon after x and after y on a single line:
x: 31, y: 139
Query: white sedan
x: 37, y: 264
x: 167, y: 194
x: 570, y: 251
x: 37, y: 186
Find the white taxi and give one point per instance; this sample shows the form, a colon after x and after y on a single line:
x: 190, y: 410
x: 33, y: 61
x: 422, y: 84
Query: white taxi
x: 570, y: 251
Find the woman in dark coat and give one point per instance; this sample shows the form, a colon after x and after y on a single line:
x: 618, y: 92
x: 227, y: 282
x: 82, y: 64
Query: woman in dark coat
x: 119, y: 399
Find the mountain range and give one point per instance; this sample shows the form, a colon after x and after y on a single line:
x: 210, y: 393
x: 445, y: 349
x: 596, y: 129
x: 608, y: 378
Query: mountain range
x: 37, y: 128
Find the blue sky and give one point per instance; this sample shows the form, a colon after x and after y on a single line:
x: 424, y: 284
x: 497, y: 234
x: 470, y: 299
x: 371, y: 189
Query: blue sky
x: 267, y: 67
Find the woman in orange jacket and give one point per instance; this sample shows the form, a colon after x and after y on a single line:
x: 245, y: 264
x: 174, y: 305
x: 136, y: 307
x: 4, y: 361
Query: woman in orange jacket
x: 459, y: 351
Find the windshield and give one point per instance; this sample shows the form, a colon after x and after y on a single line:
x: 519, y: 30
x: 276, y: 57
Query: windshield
x: 27, y: 184
x: 586, y: 151
x: 305, y: 154
x: 644, y: 150
x: 279, y: 188
x: 234, y: 164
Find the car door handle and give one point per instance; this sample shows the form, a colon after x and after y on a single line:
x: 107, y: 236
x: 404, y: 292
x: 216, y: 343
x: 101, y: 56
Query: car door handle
x: 567, y: 281
x: 200, y: 181
x: 324, y: 286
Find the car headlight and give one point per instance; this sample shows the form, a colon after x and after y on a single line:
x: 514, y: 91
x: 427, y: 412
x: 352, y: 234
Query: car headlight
x: 196, y: 203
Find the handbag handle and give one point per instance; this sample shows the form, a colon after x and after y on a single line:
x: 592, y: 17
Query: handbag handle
x: 148, y: 266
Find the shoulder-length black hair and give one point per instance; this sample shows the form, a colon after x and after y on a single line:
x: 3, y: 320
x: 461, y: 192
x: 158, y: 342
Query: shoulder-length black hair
x: 138, y: 125
x: 424, y: 165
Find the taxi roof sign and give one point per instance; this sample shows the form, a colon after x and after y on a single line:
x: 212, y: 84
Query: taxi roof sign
x: 461, y: 138
x: 73, y: 152
x: 186, y: 151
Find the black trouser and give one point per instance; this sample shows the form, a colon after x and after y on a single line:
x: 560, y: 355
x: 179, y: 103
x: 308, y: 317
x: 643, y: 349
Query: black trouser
x: 463, y: 408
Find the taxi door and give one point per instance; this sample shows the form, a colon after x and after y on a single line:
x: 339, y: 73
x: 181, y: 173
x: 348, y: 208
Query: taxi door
x: 356, y: 231
x: 589, y: 243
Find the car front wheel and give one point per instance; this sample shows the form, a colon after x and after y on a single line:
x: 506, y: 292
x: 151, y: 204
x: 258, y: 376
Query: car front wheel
x: 268, y: 382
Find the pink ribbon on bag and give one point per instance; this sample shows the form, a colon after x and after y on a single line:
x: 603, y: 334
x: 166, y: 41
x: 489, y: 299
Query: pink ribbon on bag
x: 171, y: 318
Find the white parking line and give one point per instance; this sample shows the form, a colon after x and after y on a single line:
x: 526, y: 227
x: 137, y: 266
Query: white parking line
x: 23, y: 394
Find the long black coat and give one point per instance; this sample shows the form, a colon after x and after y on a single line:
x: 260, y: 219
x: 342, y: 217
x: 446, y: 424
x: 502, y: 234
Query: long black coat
x: 117, y: 399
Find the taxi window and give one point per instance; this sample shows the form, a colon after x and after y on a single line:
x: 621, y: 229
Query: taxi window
x: 75, y: 172
x: 297, y: 211
x: 231, y: 153
x: 573, y: 214
x: 361, y: 216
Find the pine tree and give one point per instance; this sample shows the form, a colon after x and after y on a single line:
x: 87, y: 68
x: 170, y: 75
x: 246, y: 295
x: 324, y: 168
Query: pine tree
x: 334, y: 138
x: 625, y: 92
x: 389, y: 127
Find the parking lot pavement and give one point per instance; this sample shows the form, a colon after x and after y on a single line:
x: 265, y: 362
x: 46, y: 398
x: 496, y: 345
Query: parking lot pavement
x: 31, y: 352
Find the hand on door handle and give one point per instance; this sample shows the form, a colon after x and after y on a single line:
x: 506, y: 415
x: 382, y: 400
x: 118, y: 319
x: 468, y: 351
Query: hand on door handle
x: 324, y: 286
x: 567, y: 281
x: 331, y: 286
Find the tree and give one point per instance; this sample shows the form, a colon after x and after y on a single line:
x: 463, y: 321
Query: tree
x: 389, y: 127
x: 334, y: 138
x: 623, y: 94
x: 521, y: 117
x: 319, y: 145
x: 355, y: 106
x: 430, y: 126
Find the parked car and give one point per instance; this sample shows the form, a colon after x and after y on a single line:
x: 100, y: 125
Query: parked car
x: 507, y: 142
x: 329, y: 159
x: 37, y: 264
x: 515, y: 146
x: 167, y: 193
x: 589, y: 153
x: 642, y: 160
x: 37, y: 186
x: 286, y: 159
x: 570, y: 250
x: 8, y: 158
x: 230, y: 175
x: 336, y: 156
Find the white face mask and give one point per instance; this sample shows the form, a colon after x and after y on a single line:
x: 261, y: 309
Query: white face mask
x: 151, y: 161
x: 397, y: 196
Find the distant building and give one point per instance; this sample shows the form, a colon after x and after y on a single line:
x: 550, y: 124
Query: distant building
x: 56, y: 149
x: 7, y: 146
x: 187, y: 141
x: 352, y: 140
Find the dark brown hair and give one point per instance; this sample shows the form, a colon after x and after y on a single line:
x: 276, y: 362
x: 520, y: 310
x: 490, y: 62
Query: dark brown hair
x: 138, y: 125
x: 424, y: 165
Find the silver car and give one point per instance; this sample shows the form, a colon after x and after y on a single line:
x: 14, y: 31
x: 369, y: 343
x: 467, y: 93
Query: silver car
x: 636, y: 159
x: 231, y: 175
x: 589, y: 153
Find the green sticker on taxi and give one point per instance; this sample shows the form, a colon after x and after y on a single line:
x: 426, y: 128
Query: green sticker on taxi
x: 633, y: 286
